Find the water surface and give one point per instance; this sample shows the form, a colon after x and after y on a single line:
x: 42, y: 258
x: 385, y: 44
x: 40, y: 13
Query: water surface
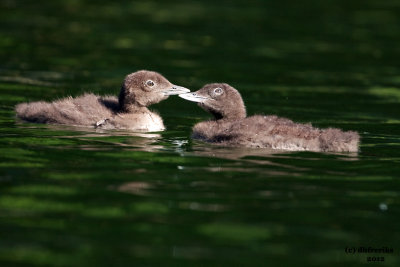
x: 79, y: 197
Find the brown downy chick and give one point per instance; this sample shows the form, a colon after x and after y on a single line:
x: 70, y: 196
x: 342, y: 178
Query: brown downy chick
x: 138, y: 91
x: 231, y: 127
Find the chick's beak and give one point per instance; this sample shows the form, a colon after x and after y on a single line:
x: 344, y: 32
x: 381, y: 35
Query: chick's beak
x: 194, y: 97
x: 175, y: 90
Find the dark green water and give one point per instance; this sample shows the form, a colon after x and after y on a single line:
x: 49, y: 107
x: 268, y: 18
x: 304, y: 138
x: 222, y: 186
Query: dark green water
x: 78, y: 197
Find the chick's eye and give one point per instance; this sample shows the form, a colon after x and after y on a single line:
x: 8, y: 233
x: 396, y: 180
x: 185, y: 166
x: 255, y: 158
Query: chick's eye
x: 150, y: 83
x: 218, y: 91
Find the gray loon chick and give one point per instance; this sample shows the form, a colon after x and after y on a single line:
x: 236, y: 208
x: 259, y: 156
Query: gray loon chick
x: 138, y: 91
x: 231, y: 127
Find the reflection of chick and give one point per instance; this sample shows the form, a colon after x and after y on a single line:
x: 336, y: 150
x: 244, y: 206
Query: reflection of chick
x: 139, y: 90
x: 231, y: 126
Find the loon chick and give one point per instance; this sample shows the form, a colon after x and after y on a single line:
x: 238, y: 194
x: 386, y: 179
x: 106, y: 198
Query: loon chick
x: 231, y: 127
x: 139, y: 90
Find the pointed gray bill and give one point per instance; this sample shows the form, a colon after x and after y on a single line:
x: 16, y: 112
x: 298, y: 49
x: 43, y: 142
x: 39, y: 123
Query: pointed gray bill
x: 194, y: 97
x: 175, y: 90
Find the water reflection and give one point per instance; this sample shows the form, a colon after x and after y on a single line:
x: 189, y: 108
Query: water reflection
x: 234, y: 153
x: 37, y: 78
x: 86, y: 138
x: 135, y: 187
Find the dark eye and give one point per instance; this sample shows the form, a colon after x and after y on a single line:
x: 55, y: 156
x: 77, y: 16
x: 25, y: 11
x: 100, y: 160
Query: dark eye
x: 218, y: 91
x: 150, y: 83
